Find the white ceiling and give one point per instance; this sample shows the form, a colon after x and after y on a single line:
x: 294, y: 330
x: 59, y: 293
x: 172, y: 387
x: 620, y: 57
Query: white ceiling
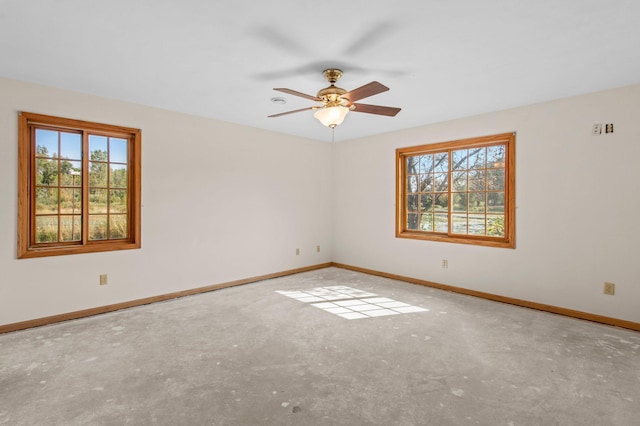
x: 221, y: 59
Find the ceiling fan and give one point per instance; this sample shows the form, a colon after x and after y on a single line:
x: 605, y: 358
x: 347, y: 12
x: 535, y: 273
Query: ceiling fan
x: 337, y: 102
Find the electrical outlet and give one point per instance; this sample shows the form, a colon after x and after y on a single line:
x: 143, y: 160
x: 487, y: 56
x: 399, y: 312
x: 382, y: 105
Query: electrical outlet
x: 608, y: 128
x: 103, y: 279
x: 609, y: 288
x: 297, y: 252
x: 597, y: 129
x: 445, y: 263
x: 318, y: 249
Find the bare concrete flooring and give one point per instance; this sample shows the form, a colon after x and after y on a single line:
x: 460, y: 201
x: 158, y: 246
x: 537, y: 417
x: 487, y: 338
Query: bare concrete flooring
x: 284, y: 352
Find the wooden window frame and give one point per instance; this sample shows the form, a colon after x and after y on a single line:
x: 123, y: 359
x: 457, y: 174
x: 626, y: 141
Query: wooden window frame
x: 508, y: 241
x: 27, y: 247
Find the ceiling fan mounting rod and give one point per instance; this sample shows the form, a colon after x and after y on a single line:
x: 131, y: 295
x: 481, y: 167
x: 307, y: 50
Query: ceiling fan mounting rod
x: 332, y: 75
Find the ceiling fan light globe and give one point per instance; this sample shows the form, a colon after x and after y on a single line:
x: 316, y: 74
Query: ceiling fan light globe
x: 331, y: 116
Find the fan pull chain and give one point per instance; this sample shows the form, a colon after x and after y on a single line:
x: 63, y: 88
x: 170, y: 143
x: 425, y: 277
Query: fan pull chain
x: 333, y: 134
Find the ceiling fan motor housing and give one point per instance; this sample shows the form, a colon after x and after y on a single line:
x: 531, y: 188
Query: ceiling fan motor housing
x: 331, y: 96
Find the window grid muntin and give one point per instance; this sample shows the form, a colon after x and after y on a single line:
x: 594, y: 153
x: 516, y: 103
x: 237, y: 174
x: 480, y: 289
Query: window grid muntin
x: 103, y: 222
x: 59, y: 185
x: 452, y: 162
x: 110, y: 217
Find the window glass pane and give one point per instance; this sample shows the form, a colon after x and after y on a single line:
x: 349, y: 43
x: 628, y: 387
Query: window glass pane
x: 426, y: 163
x: 426, y: 202
x: 459, y: 202
x: 477, y: 201
x: 98, y: 174
x: 46, y: 201
x: 70, y: 173
x: 98, y: 146
x: 46, y: 172
x: 441, y: 182
x: 70, y: 146
x: 412, y: 203
x: 70, y: 228
x: 459, y: 159
x: 496, y: 156
x: 117, y: 150
x: 46, y: 143
x: 477, y: 180
x: 495, y: 180
x: 476, y: 224
x: 117, y: 226
x: 412, y: 221
x: 412, y: 165
x: 97, y: 227
x: 495, y: 225
x: 459, y: 223
x: 46, y: 229
x: 426, y: 222
x: 426, y: 183
x: 495, y: 202
x: 478, y: 158
x: 459, y: 181
x: 441, y: 202
x: 441, y: 223
x: 441, y: 162
x: 70, y: 200
x: 412, y: 184
x: 118, y: 176
x: 118, y: 201
x: 98, y: 200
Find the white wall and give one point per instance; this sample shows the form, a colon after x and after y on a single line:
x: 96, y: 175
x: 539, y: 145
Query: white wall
x: 224, y: 202
x: 220, y: 202
x: 577, y: 208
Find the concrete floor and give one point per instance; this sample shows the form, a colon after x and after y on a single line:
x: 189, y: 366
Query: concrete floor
x: 276, y: 353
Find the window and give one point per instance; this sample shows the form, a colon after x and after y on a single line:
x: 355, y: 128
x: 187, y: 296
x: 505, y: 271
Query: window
x: 78, y: 186
x: 460, y: 191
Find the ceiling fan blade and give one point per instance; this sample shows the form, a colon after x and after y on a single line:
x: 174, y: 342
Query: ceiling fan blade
x: 369, y: 38
x: 295, y: 93
x: 377, y: 109
x: 291, y: 112
x: 277, y: 38
x: 365, y: 91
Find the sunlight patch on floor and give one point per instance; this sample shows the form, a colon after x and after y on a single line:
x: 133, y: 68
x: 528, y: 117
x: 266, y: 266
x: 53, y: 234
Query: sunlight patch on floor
x: 351, y: 303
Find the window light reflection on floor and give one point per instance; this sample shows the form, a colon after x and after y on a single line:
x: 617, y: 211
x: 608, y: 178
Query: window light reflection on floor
x: 351, y: 303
